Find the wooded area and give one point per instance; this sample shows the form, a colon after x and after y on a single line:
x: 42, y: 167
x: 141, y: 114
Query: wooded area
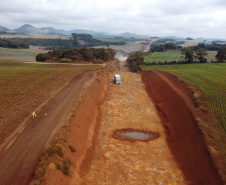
x: 91, y: 55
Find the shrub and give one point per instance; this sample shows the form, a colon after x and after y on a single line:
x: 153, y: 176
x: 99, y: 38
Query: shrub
x: 64, y: 166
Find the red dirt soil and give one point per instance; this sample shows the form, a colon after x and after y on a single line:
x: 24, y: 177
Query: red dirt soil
x: 177, y: 113
x: 82, y: 134
x: 20, y: 157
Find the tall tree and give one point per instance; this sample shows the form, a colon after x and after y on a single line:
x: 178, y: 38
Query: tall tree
x: 221, y: 55
x: 200, y: 54
x: 189, y: 54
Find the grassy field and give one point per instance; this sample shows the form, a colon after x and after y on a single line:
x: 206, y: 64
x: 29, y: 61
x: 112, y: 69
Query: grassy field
x: 20, y: 54
x: 173, y: 55
x: 23, y: 87
x: 210, y: 79
x: 108, y: 40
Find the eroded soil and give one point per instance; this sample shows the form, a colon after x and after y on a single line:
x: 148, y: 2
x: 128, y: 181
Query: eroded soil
x: 117, y: 161
x: 179, y: 116
x: 177, y: 156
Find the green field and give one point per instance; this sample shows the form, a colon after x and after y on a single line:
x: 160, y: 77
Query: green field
x: 109, y: 40
x: 211, y: 79
x: 19, y: 54
x: 173, y: 55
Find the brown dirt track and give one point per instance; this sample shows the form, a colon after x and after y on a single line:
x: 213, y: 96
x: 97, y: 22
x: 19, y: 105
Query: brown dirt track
x: 178, y: 115
x: 19, y: 158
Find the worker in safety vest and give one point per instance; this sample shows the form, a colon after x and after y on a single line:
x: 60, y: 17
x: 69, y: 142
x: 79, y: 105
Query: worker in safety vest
x: 33, y: 114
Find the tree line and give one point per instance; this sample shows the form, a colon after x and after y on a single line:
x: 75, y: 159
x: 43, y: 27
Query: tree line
x: 190, y: 54
x: 13, y: 43
x: 165, y: 47
x: 209, y: 47
x: 93, y: 55
x: 76, y: 41
x: 135, y: 60
x: 199, y: 52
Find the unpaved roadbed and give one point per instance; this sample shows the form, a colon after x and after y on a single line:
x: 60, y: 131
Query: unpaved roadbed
x: 123, y: 162
x: 19, y: 159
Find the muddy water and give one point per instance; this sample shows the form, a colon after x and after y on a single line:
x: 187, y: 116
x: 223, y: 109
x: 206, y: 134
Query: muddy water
x: 134, y: 135
x: 121, y: 162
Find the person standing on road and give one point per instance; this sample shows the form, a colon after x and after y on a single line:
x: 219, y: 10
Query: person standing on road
x: 33, y: 114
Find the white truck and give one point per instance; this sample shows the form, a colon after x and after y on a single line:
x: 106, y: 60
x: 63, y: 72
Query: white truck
x: 117, y: 79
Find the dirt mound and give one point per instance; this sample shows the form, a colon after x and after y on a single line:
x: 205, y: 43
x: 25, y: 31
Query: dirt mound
x: 175, y: 108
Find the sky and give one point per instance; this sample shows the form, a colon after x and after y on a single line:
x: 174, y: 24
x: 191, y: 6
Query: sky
x: 182, y: 18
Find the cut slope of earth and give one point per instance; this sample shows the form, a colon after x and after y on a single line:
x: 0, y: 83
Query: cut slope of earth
x: 184, y: 137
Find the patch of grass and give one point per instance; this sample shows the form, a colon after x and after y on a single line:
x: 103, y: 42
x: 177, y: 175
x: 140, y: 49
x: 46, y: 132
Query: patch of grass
x: 109, y: 40
x: 164, y: 56
x: 53, y: 149
x: 64, y: 166
x: 173, y: 55
x: 19, y: 54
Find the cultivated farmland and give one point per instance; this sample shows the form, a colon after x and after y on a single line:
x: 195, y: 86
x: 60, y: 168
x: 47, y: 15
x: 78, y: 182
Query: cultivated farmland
x: 25, y: 86
x: 20, y: 54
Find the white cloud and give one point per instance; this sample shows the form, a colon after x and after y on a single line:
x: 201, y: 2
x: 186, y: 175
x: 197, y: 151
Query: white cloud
x: 202, y: 18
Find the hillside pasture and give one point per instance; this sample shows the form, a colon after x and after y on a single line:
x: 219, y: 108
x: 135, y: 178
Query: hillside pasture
x: 163, y: 56
x: 190, y: 43
x: 24, y: 87
x: 20, y: 54
x: 173, y: 55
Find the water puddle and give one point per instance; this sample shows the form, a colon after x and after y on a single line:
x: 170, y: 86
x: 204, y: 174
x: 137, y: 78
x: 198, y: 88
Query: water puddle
x: 135, y: 135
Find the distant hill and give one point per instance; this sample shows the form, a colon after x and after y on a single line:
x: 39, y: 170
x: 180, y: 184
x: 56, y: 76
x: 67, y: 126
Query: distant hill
x: 28, y: 29
x: 127, y: 35
x: 4, y: 29
x: 31, y: 30
x: 174, y: 37
x: 55, y: 31
x: 83, y: 31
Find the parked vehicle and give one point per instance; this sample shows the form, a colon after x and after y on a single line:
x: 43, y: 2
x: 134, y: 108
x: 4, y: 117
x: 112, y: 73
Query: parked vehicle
x: 117, y: 79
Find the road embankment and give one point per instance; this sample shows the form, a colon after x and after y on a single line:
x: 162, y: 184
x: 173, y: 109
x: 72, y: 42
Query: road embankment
x: 81, y: 133
x: 176, y: 110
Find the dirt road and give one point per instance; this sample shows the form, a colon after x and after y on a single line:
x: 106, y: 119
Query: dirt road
x: 117, y: 161
x: 19, y: 158
x: 177, y: 156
